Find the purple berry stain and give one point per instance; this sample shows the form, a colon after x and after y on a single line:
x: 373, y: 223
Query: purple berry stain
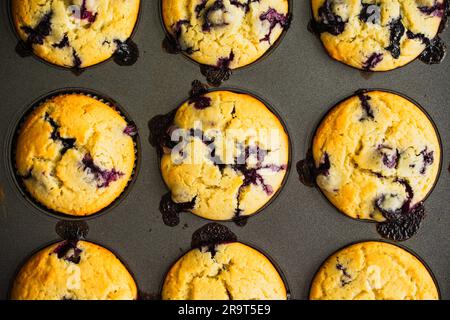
x: 219, y: 73
x: 328, y: 21
x: 171, y: 210
x: 274, y: 18
x: 210, y: 236
x: 69, y: 251
x: 103, y: 177
x: 127, y: 52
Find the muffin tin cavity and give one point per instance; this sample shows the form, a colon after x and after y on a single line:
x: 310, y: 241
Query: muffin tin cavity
x: 372, y: 164
x: 224, y: 155
x: 71, y: 158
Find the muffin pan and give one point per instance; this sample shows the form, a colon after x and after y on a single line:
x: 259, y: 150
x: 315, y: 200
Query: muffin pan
x: 299, y: 229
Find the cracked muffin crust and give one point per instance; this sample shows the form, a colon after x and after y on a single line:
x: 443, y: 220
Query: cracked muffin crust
x: 377, y: 156
x: 75, y: 33
x: 233, y: 158
x: 231, y: 271
x: 74, y: 270
x: 75, y: 154
x: 378, y: 35
x: 225, y: 33
x: 373, y: 271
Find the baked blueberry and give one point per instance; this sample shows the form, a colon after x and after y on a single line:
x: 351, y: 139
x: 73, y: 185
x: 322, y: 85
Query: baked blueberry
x: 231, y: 271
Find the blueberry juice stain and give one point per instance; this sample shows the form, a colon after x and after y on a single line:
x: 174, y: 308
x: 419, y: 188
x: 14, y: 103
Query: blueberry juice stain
x: 127, y: 52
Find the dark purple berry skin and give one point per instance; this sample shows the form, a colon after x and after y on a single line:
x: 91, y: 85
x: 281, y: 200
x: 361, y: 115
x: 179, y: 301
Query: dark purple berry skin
x: 346, y: 278
x: 72, y: 230
x: 404, y: 226
x: 365, y: 103
x: 170, y: 210
x: 67, y: 143
x: 389, y: 159
x: 397, y: 30
x: 367, y: 12
x: 212, y: 235
x: 373, y: 61
x: 127, y: 53
x: 215, y: 75
x: 37, y: 34
x: 274, y: 18
x: 159, y: 131
x: 197, y: 95
x: 63, y: 249
x: 104, y: 177
x: 130, y: 130
x: 435, y: 51
x: 428, y: 160
x: 308, y: 172
x: 218, y: 5
x: 436, y: 10
x: 328, y: 21
x: 86, y: 14
x: 171, y: 43
x: 63, y: 43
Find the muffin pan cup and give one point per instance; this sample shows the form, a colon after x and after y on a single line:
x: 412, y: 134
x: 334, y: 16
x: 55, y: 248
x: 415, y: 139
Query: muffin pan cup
x: 441, y: 159
x: 11, y: 151
x: 20, y: 47
x: 382, y: 241
x: 265, y: 56
x: 288, y: 169
x: 263, y: 252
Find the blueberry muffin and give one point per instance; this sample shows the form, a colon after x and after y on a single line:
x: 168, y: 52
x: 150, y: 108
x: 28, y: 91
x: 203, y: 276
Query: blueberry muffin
x: 377, y: 156
x: 75, y: 154
x: 373, y: 271
x: 378, y: 35
x: 75, y: 33
x: 74, y: 270
x: 231, y: 271
x: 227, y: 157
x: 225, y: 33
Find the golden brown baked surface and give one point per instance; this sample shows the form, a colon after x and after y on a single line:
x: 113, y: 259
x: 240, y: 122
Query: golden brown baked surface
x: 225, y: 32
x: 74, y: 155
x: 235, y: 272
x: 76, y: 33
x: 373, y: 271
x: 74, y: 271
x: 378, y: 152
